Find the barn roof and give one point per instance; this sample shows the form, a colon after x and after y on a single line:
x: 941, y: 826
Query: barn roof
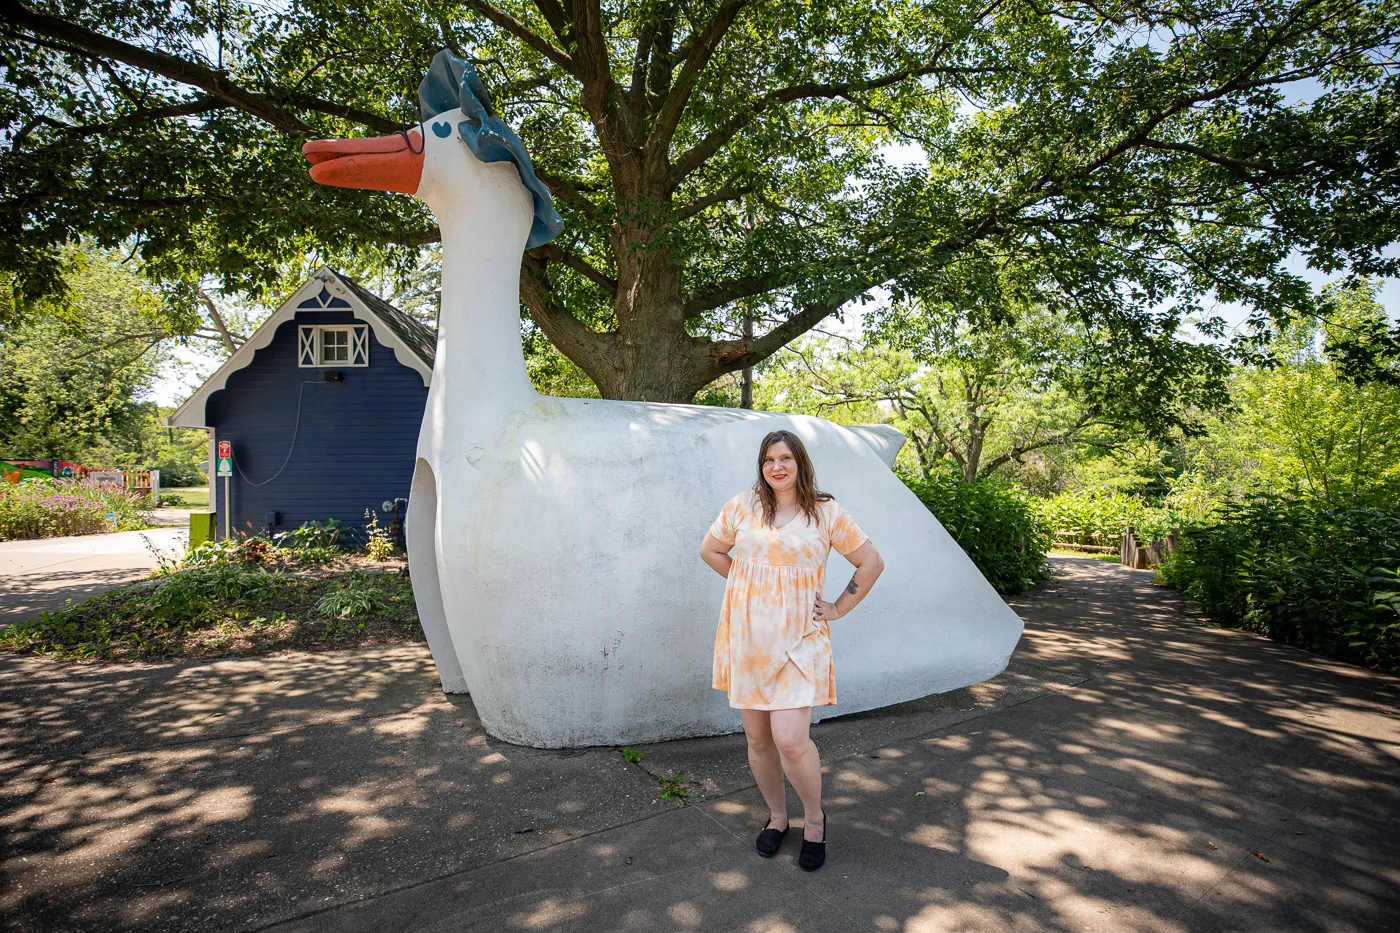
x: 413, y: 342
x: 411, y: 331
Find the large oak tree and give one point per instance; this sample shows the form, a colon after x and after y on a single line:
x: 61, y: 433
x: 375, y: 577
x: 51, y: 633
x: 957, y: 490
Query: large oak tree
x: 721, y: 160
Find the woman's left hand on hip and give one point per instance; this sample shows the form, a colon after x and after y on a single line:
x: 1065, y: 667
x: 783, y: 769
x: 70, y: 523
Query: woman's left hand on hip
x: 825, y: 611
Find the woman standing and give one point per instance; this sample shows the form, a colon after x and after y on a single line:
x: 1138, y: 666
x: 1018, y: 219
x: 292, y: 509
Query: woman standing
x: 773, y: 645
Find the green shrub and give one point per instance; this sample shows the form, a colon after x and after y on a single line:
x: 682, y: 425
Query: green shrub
x: 1319, y: 577
x: 217, y: 609
x: 46, y: 508
x: 256, y: 549
x: 316, y: 555
x: 1099, y: 516
x: 184, y: 598
x: 354, y: 600
x: 250, y: 551
x: 176, y: 473
x: 311, y: 535
x: 994, y: 524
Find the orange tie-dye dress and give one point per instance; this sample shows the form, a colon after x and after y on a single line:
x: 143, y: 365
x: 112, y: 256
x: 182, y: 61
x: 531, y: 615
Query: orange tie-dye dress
x: 769, y: 651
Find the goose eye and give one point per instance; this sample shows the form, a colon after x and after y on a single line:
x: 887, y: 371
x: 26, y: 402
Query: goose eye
x: 442, y: 130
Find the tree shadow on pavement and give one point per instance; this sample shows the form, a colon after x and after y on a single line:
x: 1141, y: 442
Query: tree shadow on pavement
x: 1131, y: 790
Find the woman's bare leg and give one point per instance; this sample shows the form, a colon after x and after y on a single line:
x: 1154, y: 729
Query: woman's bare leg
x: 802, y: 764
x: 767, y: 768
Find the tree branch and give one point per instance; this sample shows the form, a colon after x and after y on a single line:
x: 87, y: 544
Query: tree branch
x: 646, y: 38
x: 1238, y: 82
x: 606, y: 102
x: 154, y: 336
x: 1064, y: 437
x: 527, y: 35
x: 702, y: 151
x: 354, y: 115
x: 578, y: 264
x: 161, y: 63
x: 1243, y: 167
x: 566, y: 191
x: 558, y: 20
x: 231, y: 344
x: 408, y: 238
x: 190, y: 108
x: 730, y: 355
x: 668, y: 117
x: 722, y: 293
x: 574, y: 338
x: 724, y: 194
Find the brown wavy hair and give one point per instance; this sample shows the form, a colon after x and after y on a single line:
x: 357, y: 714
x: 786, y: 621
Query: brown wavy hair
x: 808, y: 495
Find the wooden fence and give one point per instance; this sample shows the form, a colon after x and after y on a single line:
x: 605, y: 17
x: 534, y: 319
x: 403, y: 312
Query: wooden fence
x: 1133, y: 554
x: 1130, y: 551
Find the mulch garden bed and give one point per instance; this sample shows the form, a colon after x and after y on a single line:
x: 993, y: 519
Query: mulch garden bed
x: 229, y: 610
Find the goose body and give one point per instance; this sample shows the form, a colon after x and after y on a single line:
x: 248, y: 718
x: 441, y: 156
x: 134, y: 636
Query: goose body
x: 554, y: 542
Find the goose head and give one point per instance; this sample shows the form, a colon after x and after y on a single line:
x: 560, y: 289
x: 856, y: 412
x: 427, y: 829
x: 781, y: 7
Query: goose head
x: 462, y: 160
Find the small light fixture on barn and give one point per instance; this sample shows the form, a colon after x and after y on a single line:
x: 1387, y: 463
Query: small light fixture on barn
x: 334, y: 375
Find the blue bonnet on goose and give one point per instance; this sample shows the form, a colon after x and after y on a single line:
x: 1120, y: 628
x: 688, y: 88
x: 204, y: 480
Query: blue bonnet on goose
x: 451, y: 83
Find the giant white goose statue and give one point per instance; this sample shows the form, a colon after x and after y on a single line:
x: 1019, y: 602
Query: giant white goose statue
x: 554, y: 542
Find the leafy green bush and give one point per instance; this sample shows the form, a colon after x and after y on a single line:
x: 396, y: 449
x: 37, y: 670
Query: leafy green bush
x: 311, y: 535
x: 219, y: 609
x: 1302, y: 572
x: 185, y: 597
x: 46, y: 508
x: 351, y: 601
x: 994, y: 524
x: 316, y: 555
x: 177, y: 473
x: 1099, y: 516
x: 214, y: 551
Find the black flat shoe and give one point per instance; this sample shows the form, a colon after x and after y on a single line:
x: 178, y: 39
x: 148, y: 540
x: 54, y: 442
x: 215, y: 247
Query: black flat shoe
x: 769, y: 840
x: 813, y: 854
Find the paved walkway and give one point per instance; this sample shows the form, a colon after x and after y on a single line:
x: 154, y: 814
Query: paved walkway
x: 46, y: 573
x: 1133, y: 770
x: 171, y: 517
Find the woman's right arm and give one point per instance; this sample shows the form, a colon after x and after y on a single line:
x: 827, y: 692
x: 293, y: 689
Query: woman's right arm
x: 716, y: 553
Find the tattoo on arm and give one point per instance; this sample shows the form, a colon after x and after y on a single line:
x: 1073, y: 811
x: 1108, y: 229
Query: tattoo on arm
x: 851, y: 587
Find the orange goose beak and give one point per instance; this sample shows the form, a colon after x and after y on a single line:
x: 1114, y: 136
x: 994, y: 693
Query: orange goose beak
x: 381, y: 163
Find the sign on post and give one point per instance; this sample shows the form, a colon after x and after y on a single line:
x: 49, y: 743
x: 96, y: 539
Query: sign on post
x: 225, y: 469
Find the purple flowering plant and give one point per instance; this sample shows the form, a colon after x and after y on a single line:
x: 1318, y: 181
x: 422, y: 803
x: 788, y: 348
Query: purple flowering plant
x: 47, y: 508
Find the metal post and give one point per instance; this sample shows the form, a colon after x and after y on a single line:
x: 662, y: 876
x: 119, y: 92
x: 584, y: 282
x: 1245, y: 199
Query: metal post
x: 227, y: 509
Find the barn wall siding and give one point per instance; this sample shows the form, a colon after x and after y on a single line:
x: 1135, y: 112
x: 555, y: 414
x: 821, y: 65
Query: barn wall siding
x: 354, y: 448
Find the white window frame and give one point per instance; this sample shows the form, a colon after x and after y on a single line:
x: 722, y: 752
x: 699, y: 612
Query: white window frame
x: 311, y: 340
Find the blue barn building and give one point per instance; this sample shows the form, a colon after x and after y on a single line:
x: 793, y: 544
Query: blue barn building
x: 321, y: 407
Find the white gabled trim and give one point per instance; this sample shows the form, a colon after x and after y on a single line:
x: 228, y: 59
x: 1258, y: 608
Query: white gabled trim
x: 191, y: 413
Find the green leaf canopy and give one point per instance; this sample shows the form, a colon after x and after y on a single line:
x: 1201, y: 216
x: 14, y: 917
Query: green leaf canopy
x: 723, y: 161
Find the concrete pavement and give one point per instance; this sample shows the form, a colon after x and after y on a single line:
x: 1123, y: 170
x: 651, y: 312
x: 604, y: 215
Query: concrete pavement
x: 1133, y: 770
x: 171, y: 517
x: 48, y: 572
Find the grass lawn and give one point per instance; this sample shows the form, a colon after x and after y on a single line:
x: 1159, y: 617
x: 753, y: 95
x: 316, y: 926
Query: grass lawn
x: 191, y: 497
x: 1065, y: 552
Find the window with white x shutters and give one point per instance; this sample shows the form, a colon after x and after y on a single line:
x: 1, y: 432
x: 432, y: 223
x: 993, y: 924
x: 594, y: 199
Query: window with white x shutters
x: 323, y: 346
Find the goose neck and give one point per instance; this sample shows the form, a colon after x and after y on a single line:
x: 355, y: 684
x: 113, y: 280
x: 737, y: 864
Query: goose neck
x: 479, y: 344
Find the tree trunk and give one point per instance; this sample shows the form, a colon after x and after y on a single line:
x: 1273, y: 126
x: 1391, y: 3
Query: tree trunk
x: 746, y: 387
